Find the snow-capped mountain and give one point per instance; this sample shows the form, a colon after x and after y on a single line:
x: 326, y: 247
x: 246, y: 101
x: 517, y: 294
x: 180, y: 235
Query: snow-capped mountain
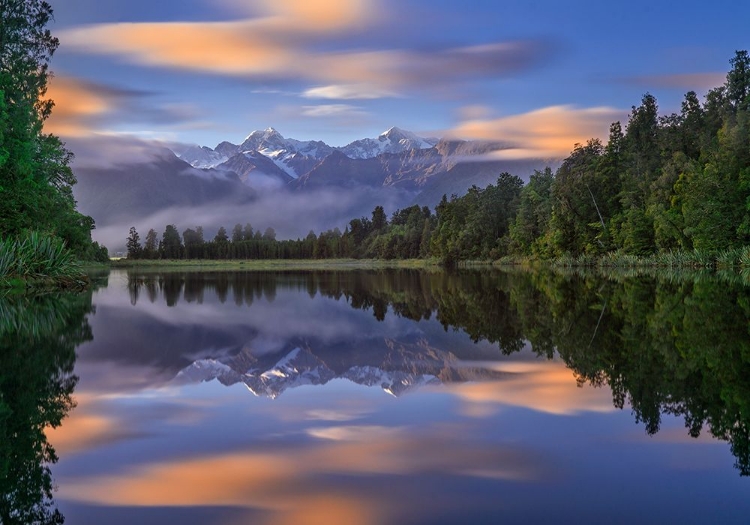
x: 202, y: 157
x: 394, y: 140
x: 290, y: 154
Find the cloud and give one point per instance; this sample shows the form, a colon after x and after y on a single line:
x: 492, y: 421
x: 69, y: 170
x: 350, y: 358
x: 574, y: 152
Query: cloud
x: 685, y: 81
x: 321, y: 15
x: 84, y: 108
x: 296, y: 39
x: 545, y: 132
x: 348, y: 92
x: 78, y: 104
x: 332, y: 110
x: 108, y: 150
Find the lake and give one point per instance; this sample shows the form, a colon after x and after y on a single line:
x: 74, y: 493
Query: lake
x: 374, y: 397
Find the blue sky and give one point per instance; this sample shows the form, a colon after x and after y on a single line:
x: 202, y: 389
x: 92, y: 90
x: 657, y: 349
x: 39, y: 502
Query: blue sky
x: 540, y: 74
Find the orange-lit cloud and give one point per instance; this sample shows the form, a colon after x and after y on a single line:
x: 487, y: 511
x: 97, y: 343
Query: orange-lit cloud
x: 283, y: 481
x: 80, y: 433
x: 272, y: 44
x: 546, y: 132
x: 546, y: 386
x: 84, y: 108
x: 76, y: 102
x: 282, y: 41
x: 322, y: 15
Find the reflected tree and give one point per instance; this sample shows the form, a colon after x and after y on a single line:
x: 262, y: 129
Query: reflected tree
x: 38, y: 337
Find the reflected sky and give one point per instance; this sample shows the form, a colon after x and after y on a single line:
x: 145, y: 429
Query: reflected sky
x: 474, y: 436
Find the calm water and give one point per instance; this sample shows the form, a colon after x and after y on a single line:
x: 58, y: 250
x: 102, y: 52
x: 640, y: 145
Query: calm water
x: 377, y: 397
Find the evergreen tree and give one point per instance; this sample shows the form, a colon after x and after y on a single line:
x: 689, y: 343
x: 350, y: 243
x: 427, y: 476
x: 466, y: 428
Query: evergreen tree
x: 269, y: 234
x: 134, y: 244
x: 738, y: 81
x: 237, y: 234
x: 247, y: 232
x: 151, y: 246
x: 221, y: 235
x: 171, y: 243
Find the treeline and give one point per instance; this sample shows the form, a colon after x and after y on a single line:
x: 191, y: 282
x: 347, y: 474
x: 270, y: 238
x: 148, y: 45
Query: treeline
x: 670, y: 183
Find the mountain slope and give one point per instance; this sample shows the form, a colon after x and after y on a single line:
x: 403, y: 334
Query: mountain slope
x: 114, y: 193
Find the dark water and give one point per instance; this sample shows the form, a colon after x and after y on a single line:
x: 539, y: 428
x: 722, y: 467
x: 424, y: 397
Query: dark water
x: 375, y: 397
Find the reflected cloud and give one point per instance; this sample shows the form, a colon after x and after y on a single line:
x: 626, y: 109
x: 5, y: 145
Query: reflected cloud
x: 354, y: 433
x: 545, y: 132
x: 84, y: 432
x: 335, y: 415
x: 544, y: 386
x: 283, y: 481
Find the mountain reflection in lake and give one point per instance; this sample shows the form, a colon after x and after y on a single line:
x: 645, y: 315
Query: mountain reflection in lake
x: 404, y: 396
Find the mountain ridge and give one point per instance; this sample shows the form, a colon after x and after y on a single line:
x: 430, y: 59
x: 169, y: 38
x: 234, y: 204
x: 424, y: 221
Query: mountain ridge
x: 396, y: 158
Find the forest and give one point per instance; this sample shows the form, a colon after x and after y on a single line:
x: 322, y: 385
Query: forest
x: 41, y: 232
x: 663, y: 184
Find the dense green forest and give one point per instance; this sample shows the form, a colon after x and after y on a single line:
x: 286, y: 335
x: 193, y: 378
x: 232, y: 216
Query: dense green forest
x: 35, y: 175
x: 665, y: 184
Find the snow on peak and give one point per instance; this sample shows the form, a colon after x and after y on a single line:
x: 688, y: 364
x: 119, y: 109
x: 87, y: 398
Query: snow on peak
x: 202, y: 157
x: 394, y: 131
x: 393, y: 140
x: 264, y: 134
x: 282, y: 151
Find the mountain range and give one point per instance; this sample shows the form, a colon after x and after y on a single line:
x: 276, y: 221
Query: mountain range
x: 295, y: 157
x: 395, y: 158
x: 230, y: 182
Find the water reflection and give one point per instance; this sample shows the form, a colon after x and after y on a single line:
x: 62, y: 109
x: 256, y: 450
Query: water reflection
x: 663, y: 346
x: 38, y: 337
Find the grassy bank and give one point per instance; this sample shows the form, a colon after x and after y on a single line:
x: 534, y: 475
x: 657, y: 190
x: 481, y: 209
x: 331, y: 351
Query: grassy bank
x: 732, y: 259
x: 38, y: 261
x: 274, y: 264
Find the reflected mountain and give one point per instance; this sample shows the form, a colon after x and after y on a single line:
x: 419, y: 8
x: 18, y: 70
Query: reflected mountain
x: 394, y: 366
x: 664, y: 343
x: 38, y: 337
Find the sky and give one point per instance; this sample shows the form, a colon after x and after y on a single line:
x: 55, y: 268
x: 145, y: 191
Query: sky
x: 541, y: 74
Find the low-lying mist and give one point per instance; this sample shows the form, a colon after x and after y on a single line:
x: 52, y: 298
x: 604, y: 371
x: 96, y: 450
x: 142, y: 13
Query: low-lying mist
x: 291, y: 214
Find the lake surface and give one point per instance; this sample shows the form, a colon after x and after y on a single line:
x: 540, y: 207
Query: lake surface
x: 373, y: 397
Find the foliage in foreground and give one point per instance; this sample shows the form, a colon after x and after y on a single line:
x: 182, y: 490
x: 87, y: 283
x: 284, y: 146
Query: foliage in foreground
x: 36, y: 179
x: 38, y: 256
